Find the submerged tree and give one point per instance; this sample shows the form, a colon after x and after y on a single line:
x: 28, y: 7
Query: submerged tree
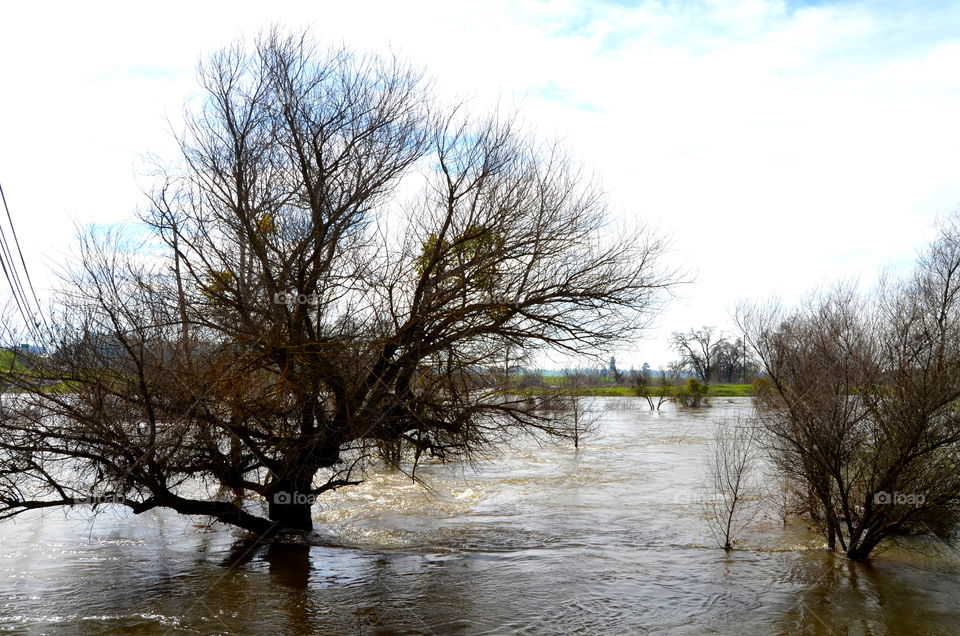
x: 731, y: 476
x: 304, y: 303
x: 861, y: 406
x: 583, y: 418
x: 643, y: 386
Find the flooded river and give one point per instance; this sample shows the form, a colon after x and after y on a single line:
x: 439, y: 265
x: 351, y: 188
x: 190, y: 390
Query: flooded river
x: 609, y: 539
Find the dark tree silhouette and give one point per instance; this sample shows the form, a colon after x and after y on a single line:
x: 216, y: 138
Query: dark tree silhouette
x: 861, y: 402
x: 697, y: 349
x: 335, y: 263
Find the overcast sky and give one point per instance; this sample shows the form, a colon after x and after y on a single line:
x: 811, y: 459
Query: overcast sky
x: 781, y: 145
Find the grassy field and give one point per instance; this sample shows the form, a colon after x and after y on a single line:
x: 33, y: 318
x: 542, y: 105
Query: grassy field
x: 6, y: 358
x: 715, y: 390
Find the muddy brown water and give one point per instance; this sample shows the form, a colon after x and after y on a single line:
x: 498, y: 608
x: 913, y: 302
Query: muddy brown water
x: 609, y: 539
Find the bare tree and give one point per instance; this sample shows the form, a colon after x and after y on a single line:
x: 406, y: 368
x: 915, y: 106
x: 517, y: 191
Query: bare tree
x: 731, y: 362
x: 642, y: 383
x: 581, y: 417
x: 732, y: 471
x: 293, y: 315
x: 645, y: 386
x: 697, y: 349
x: 861, y: 404
x: 674, y: 371
x: 786, y: 496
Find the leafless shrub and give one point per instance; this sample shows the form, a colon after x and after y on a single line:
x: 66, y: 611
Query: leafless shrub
x: 861, y: 404
x: 582, y: 416
x: 732, y: 471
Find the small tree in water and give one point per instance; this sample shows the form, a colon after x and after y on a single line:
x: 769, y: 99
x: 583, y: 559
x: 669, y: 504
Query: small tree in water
x: 581, y: 418
x: 731, y: 476
x: 693, y: 394
x: 290, y: 316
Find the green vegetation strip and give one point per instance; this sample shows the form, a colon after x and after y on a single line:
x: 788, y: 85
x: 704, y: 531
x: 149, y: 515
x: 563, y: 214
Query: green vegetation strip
x: 10, y: 363
x: 715, y: 390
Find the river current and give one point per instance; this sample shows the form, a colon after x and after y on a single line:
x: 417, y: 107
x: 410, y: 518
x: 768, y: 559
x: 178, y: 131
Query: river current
x: 541, y: 539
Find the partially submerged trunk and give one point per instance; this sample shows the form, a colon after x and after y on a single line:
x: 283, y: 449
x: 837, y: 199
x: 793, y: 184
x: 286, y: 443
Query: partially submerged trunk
x: 291, y: 516
x: 290, y: 501
x: 860, y: 552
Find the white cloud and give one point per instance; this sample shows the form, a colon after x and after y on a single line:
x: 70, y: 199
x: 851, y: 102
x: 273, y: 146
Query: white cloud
x: 781, y: 145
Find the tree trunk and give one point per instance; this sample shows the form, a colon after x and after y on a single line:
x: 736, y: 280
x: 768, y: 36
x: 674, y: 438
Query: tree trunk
x: 290, y: 506
x: 860, y: 550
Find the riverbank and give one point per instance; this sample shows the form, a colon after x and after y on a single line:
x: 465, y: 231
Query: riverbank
x: 714, y: 390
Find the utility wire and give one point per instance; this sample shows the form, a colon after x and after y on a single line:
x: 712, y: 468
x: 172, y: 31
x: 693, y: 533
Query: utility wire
x: 16, y: 297
x: 11, y: 273
x: 16, y: 241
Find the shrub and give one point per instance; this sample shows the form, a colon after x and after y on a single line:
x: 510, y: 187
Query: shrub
x: 693, y: 394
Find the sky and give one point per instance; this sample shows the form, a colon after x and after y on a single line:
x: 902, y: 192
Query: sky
x: 779, y: 145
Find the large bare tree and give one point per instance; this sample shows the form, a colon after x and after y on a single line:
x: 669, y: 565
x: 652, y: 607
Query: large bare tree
x: 335, y: 265
x: 698, y: 349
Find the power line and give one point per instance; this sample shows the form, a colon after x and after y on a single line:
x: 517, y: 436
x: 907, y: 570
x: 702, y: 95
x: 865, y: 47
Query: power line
x: 13, y: 279
x: 16, y: 241
x: 10, y: 271
x: 16, y: 297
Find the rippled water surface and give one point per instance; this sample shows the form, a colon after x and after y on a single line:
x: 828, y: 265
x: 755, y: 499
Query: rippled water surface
x: 545, y: 539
